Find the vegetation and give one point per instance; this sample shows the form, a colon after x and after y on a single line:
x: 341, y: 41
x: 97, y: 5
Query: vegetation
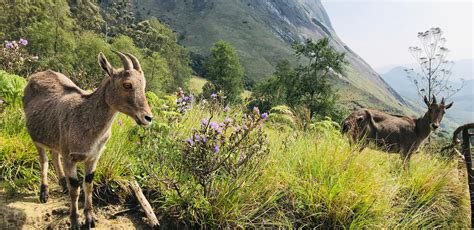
x: 275, y: 175
x: 78, y: 30
x: 225, y: 72
x: 307, y: 87
x: 280, y: 164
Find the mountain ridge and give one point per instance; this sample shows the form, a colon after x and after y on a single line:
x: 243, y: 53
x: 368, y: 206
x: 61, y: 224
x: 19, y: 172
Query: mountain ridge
x: 263, y: 31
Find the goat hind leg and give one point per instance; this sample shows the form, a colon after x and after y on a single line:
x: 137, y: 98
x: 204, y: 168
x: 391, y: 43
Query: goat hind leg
x: 59, y: 170
x: 43, y: 160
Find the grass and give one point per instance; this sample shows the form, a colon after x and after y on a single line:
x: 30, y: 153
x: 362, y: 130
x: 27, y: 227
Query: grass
x: 309, y: 179
x: 196, y: 84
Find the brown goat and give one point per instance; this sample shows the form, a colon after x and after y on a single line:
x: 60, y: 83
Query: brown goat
x: 75, y: 125
x: 394, y: 133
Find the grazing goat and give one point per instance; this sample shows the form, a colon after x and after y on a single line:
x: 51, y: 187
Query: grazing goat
x: 75, y: 125
x: 394, y: 133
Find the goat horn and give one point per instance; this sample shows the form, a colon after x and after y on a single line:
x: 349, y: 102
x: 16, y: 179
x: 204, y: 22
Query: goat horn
x: 127, y: 64
x: 434, y: 99
x: 136, y: 64
x: 443, y: 101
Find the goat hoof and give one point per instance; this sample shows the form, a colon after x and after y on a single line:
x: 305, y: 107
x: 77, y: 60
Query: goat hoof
x: 43, y: 193
x: 89, y: 216
x: 63, y: 184
x: 75, y: 224
x: 89, y: 224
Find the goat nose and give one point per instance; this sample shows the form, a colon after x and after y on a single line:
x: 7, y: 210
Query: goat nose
x: 435, y: 126
x: 148, y: 118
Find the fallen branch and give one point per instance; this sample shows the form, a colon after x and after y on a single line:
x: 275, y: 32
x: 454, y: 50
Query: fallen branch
x: 150, y: 214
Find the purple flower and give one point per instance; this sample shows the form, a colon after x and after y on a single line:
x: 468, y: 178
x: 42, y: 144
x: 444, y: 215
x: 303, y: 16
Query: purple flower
x: 190, y: 141
x: 203, y: 138
x: 204, y: 122
x: 228, y: 120
x: 9, y: 45
x: 214, y: 125
x: 219, y: 130
x: 197, y: 137
x: 213, y: 96
x: 191, y: 98
x: 186, y: 98
x: 237, y: 128
x: 216, y: 149
x: 23, y: 42
x: 120, y: 122
x: 179, y: 100
x: 264, y: 116
x: 226, y: 109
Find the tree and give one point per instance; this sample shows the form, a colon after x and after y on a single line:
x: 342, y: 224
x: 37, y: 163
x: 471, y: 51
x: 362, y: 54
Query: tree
x: 307, y: 86
x: 433, y: 78
x: 87, y: 14
x: 87, y: 73
x: 274, y: 91
x: 119, y: 18
x: 157, y: 73
x: 224, y: 70
x: 313, y: 88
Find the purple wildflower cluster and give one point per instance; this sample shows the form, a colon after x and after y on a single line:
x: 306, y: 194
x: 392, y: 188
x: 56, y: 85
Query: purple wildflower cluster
x: 183, y: 101
x: 16, y: 44
x: 12, y: 57
x: 228, y: 144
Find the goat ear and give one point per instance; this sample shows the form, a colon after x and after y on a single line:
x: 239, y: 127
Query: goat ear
x: 425, y: 99
x: 105, y: 64
x: 449, y: 105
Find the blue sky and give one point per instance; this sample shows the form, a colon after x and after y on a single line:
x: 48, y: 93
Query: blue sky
x: 381, y: 31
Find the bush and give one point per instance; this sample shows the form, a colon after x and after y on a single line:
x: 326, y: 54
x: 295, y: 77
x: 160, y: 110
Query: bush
x: 11, y: 88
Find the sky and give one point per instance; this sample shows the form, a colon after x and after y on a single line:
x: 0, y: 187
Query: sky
x: 381, y: 31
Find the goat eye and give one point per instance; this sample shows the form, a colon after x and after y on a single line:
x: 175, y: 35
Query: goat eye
x: 127, y: 85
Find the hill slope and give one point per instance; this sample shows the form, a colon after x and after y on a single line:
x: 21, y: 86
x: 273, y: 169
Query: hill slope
x: 263, y: 31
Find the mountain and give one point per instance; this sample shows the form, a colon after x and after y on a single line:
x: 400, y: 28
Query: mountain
x: 463, y: 108
x: 463, y: 68
x: 262, y: 32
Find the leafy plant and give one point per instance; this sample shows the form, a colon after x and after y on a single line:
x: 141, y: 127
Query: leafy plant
x: 11, y: 88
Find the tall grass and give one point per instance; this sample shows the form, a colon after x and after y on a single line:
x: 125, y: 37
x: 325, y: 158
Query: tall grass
x: 309, y: 179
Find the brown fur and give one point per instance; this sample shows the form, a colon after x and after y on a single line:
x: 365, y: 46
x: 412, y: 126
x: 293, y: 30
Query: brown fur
x: 394, y: 133
x: 76, y: 124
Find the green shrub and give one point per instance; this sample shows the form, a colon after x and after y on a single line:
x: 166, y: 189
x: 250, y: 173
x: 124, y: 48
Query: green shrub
x: 11, y: 88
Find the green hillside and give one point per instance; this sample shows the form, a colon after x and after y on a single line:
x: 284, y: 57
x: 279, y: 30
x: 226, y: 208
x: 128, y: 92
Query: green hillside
x: 263, y: 32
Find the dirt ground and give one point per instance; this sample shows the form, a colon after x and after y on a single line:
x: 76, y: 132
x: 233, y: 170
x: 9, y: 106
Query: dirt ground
x: 26, y: 212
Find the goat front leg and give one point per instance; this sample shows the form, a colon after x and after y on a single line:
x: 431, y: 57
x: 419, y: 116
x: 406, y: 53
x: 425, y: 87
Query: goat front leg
x: 59, y: 170
x: 88, y: 189
x: 43, y: 158
x: 73, y: 184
